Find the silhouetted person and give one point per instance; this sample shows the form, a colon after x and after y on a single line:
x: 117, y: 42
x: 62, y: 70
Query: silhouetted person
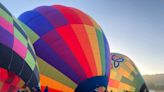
x: 36, y: 89
x: 46, y: 89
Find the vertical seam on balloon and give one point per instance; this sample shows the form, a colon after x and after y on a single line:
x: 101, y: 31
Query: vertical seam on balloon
x: 74, y: 53
x: 51, y: 24
x: 76, y: 11
x: 92, y: 57
x: 27, y: 22
x: 102, y: 50
x: 22, y: 68
x: 68, y: 75
x: 67, y: 45
x: 107, y: 55
x: 98, y: 62
x: 29, y: 79
x: 9, y: 66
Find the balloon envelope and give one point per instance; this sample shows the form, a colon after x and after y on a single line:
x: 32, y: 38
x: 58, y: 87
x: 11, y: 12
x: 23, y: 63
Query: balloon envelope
x: 17, y: 55
x: 125, y: 77
x: 71, y: 48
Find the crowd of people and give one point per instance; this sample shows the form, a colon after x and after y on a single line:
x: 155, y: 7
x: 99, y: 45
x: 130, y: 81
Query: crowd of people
x: 34, y: 89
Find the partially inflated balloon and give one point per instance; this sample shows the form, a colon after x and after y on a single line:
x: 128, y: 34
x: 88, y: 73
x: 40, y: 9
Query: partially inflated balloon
x: 18, y: 66
x: 72, y: 50
x: 124, y: 76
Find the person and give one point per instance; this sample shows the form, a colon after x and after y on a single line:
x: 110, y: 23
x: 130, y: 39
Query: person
x: 23, y: 89
x: 19, y: 90
x: 36, y: 89
x: 46, y: 89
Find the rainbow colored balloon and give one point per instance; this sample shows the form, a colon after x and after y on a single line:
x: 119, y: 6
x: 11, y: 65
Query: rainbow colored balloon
x: 124, y: 76
x: 18, y: 66
x: 72, y: 50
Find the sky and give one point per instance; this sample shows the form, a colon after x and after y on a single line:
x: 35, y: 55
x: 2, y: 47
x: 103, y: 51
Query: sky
x: 134, y: 28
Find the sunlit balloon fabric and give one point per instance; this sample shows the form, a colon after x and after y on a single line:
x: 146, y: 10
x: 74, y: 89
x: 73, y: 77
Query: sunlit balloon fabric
x: 16, y: 54
x: 70, y: 46
x: 124, y: 76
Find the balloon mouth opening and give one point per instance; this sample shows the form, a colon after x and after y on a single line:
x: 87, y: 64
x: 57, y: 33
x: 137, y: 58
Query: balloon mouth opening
x: 93, y: 84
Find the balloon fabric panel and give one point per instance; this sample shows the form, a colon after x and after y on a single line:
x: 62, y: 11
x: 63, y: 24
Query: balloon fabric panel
x: 60, y: 77
x: 16, y: 48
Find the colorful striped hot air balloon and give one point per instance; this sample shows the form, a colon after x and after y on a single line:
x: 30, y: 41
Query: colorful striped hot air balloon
x: 124, y: 76
x: 72, y: 50
x: 18, y: 66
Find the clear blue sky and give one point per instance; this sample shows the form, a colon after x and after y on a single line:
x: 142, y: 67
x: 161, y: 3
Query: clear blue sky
x: 133, y: 27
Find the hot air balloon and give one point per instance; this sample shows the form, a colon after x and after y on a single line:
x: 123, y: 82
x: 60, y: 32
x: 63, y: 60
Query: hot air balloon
x: 124, y: 76
x: 18, y: 66
x: 72, y: 50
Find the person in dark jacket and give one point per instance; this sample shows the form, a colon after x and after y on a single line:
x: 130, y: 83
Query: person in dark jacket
x: 46, y: 89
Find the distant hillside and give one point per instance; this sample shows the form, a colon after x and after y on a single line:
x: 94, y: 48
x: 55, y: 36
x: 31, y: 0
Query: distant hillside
x: 155, y: 82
